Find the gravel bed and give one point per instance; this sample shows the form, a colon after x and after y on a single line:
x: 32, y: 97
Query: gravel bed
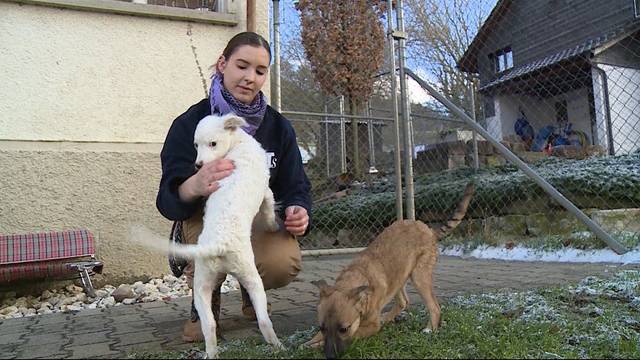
x: 73, y: 298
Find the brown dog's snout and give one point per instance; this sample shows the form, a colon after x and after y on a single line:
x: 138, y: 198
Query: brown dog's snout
x: 198, y: 165
x: 334, y: 347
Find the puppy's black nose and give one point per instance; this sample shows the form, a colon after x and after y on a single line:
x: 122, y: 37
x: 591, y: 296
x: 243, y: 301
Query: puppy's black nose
x: 198, y: 165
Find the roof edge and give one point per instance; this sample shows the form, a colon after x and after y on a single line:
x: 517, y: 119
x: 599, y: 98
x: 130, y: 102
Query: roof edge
x: 466, y: 63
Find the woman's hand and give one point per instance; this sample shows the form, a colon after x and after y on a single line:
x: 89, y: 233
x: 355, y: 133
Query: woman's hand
x: 205, y: 181
x: 296, y: 220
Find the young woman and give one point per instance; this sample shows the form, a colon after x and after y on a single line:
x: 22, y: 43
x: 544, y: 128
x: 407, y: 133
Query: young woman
x: 240, y: 73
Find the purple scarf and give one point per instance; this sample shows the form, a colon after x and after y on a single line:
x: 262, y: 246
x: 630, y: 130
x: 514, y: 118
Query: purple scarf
x: 222, y: 103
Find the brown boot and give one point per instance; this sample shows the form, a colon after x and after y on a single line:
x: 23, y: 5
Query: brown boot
x: 192, y: 330
x: 247, y: 307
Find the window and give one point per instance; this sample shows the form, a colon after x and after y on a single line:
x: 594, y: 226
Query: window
x: 502, y: 59
x: 489, y: 106
x: 206, y: 5
x: 636, y: 4
x: 203, y: 11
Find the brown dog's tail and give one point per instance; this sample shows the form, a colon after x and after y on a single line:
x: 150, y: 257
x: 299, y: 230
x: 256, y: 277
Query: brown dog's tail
x: 461, y: 210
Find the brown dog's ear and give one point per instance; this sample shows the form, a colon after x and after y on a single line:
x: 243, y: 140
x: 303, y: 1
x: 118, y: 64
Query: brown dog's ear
x: 325, y: 289
x: 233, y: 122
x: 319, y: 283
x: 360, y: 295
x: 359, y: 291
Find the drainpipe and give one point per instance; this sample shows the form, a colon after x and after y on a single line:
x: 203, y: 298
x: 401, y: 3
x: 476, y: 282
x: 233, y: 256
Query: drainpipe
x: 276, y: 101
x: 607, y: 106
x: 251, y: 15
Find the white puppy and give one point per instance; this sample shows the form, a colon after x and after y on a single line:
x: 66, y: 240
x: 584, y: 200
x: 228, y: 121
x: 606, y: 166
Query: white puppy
x: 225, y: 242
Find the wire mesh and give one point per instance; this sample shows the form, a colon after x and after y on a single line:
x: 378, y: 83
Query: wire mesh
x: 335, y: 131
x: 557, y: 82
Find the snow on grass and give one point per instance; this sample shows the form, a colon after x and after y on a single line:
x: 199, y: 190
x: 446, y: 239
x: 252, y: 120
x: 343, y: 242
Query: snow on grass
x: 520, y: 253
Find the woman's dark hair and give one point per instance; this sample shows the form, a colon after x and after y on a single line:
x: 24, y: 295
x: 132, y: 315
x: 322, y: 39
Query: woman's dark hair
x: 246, y: 38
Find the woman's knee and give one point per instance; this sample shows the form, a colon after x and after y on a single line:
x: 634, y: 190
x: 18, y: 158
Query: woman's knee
x: 192, y: 227
x: 278, y: 258
x: 279, y: 272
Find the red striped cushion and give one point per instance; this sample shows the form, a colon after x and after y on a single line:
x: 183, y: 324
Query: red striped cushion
x: 24, y: 248
x: 34, y: 270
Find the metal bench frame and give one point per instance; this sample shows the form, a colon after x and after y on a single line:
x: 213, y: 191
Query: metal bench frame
x: 85, y: 270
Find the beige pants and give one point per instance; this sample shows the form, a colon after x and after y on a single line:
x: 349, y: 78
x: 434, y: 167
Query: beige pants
x: 277, y: 255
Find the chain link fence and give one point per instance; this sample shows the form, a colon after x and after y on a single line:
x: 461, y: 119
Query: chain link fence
x: 556, y: 82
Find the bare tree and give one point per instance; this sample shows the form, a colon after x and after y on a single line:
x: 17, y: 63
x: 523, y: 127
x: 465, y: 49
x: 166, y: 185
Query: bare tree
x: 343, y: 41
x: 439, y: 33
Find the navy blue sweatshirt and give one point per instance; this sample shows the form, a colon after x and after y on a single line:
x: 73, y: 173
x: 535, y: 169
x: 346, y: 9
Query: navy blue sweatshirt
x: 288, y: 180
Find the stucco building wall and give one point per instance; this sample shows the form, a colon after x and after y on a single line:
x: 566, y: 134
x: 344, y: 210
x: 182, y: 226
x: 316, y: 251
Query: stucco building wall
x: 86, y: 99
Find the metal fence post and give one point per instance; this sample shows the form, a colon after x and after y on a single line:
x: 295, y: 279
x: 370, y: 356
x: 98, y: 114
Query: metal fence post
x: 343, y: 138
x: 607, y: 107
x: 396, y: 120
x: 326, y: 138
x: 406, y: 119
x: 372, y: 148
x: 476, y: 160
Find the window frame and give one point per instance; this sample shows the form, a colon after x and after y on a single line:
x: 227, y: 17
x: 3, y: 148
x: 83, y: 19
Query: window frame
x: 144, y: 10
x: 502, y: 60
x: 508, y: 58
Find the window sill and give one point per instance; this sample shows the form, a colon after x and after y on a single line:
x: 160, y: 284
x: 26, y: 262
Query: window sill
x: 503, y: 72
x: 126, y: 8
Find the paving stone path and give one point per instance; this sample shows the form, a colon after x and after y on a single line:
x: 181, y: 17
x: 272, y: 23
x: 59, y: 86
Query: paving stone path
x: 118, y: 331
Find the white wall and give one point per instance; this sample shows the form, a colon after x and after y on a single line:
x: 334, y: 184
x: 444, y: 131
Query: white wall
x: 70, y: 75
x: 494, y: 125
x: 624, y: 101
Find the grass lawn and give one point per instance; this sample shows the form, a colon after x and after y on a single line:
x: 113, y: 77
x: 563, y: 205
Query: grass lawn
x: 596, y: 318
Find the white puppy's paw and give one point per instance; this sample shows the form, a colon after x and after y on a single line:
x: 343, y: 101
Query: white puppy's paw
x: 213, y: 354
x: 277, y: 346
x: 272, y: 226
x: 312, y: 345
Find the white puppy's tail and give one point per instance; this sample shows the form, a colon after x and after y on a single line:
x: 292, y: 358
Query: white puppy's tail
x: 145, y: 237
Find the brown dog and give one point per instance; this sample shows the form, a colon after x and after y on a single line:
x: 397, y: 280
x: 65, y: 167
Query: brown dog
x: 352, y: 308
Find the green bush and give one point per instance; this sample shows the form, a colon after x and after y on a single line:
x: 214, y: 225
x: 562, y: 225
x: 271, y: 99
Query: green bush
x: 604, y: 183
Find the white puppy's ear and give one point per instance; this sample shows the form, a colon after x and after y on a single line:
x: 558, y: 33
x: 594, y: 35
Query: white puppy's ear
x: 233, y: 122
